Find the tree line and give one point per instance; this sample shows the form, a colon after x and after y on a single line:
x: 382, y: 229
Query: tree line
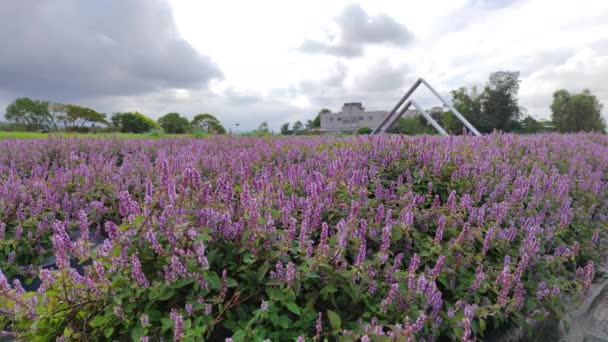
x: 299, y: 128
x: 38, y: 115
x: 496, y: 107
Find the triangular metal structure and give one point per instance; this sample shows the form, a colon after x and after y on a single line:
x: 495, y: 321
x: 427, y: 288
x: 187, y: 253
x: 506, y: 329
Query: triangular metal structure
x: 402, y: 106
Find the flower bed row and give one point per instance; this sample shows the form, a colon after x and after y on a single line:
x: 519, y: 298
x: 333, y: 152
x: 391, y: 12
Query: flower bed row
x: 367, y: 238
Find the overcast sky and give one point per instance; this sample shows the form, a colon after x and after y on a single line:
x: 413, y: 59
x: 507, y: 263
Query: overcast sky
x: 252, y: 61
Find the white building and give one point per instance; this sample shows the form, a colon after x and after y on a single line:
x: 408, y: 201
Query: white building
x: 352, y: 117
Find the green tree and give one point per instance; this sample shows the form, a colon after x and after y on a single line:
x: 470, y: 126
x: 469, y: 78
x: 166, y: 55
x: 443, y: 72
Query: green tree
x: 263, y: 128
x: 578, y: 112
x: 365, y: 130
x: 208, y: 123
x: 450, y: 123
x: 496, y: 107
x: 309, y: 125
x: 412, y: 126
x: 499, y: 100
x: 298, y: 128
x: 174, y: 123
x: 468, y: 103
x: 34, y: 114
x: 76, y: 116
x: 133, y: 122
x: 529, y: 125
x: 285, y: 129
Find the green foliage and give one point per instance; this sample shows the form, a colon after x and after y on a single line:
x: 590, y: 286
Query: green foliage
x: 450, y: 123
x: 494, y: 108
x: 76, y: 117
x: 34, y: 114
x: 285, y: 129
x: 155, y: 133
x: 174, y: 123
x: 208, y: 123
x: 263, y: 128
x: 499, y: 100
x: 298, y: 128
x: 133, y: 122
x: 468, y: 103
x: 577, y: 112
x: 364, y: 130
x: 13, y: 127
x: 412, y: 126
x: 262, y: 131
x: 235, y: 292
x: 199, y: 133
x: 529, y: 125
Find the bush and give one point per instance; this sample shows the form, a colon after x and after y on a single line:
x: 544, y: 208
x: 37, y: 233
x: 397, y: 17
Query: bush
x: 133, y: 122
x: 412, y: 126
x: 155, y: 133
x: 13, y: 127
x: 337, y: 239
x: 174, y: 123
x: 365, y: 130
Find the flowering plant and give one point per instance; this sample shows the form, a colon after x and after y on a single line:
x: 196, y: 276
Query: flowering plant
x: 365, y: 238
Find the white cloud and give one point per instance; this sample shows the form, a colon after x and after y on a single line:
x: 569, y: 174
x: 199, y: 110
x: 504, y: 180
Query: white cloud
x: 555, y: 44
x: 585, y: 69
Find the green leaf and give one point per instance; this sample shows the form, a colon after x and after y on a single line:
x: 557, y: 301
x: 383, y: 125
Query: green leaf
x: 482, y: 325
x: 124, y: 227
x: 334, y: 320
x: 137, y: 333
x: 284, y: 321
x: 274, y: 319
x: 328, y: 289
x: 154, y: 314
x: 214, y: 281
x: 239, y: 336
x: 97, y: 321
x: 108, y: 332
x: 230, y: 282
x: 261, y: 273
x: 166, y: 294
x: 293, y: 307
x: 167, y: 324
x: 313, y: 275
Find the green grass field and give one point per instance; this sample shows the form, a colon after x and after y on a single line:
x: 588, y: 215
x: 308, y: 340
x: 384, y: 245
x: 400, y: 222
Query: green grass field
x: 36, y: 135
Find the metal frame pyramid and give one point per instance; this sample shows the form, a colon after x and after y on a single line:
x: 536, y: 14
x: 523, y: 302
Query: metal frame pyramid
x: 391, y: 118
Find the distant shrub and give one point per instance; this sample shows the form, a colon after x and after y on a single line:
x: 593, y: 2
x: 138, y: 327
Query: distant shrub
x: 155, y: 133
x: 133, y: 122
x: 412, y: 126
x: 200, y: 133
x: 365, y: 130
x: 13, y: 127
x: 372, y: 239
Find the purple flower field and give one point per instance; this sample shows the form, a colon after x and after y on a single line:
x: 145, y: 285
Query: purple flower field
x: 246, y: 239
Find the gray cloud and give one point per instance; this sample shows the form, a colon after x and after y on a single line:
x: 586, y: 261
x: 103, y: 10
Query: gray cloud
x: 357, y: 29
x: 588, y: 68
x: 237, y: 97
x: 382, y: 76
x: 470, y: 13
x: 342, y: 49
x: 379, y: 87
x: 333, y: 78
x: 72, y: 49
